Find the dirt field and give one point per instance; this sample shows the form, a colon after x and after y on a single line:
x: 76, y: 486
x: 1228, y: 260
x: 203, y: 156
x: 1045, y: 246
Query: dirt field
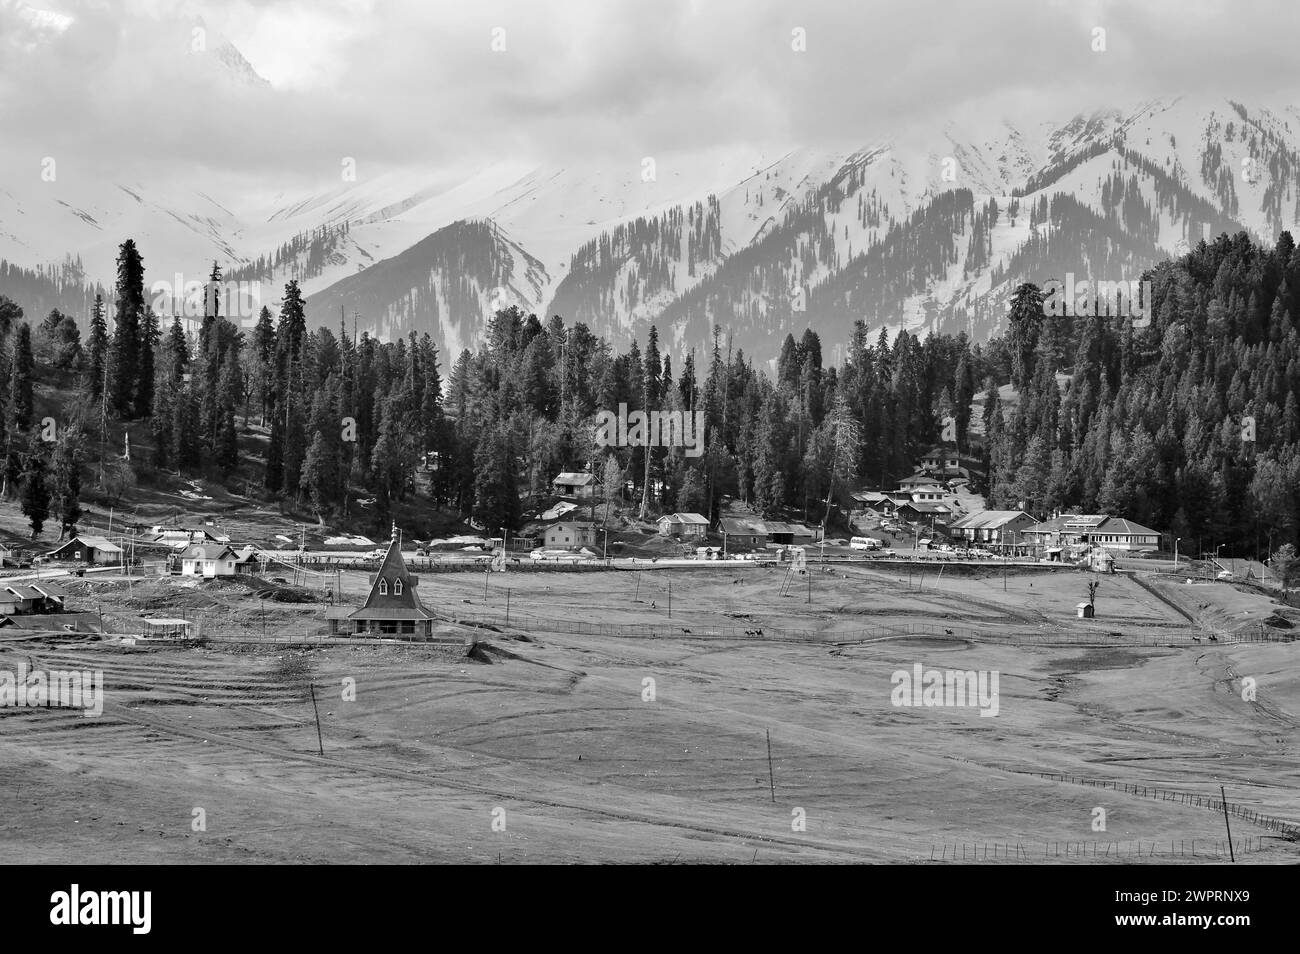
x: 547, y: 746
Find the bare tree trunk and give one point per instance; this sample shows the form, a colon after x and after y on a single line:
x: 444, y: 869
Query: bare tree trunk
x: 645, y: 489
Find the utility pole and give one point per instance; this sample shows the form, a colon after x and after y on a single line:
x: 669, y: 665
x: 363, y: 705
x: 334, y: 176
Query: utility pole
x: 771, y: 778
x: 319, y: 743
x: 1223, y: 800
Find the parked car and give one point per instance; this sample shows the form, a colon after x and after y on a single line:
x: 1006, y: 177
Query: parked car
x: 1224, y: 575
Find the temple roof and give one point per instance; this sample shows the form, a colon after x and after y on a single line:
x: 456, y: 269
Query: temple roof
x: 392, y: 604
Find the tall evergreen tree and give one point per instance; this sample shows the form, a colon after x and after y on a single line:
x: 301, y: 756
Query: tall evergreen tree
x: 97, y: 351
x: 124, y: 364
x: 24, y: 363
x: 35, y: 493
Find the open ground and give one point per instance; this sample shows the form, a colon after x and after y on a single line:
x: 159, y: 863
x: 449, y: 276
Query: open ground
x: 557, y: 741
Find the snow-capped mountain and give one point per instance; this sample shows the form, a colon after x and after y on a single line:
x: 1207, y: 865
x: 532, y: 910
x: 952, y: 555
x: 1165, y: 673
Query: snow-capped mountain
x: 923, y: 230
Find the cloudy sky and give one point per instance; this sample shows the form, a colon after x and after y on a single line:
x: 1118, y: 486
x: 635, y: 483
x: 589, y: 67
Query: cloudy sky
x: 129, y: 89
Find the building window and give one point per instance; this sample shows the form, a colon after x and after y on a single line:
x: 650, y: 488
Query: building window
x: 383, y: 587
x: 397, y: 587
x: 77, y: 555
x: 408, y: 626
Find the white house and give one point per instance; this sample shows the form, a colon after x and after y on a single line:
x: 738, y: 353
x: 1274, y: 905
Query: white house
x: 209, y: 560
x: 570, y: 535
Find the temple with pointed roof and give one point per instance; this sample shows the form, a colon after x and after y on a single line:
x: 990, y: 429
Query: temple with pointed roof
x: 392, y: 607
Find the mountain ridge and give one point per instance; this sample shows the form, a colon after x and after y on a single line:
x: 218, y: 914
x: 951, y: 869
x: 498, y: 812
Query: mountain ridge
x: 760, y: 246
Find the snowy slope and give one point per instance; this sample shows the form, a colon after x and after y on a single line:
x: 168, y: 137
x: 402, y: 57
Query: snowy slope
x: 765, y: 242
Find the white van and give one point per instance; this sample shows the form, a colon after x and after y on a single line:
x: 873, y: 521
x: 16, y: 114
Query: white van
x: 865, y: 543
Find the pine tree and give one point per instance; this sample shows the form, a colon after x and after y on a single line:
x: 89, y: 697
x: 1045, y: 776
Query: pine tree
x: 1025, y: 321
x: 35, y: 494
x: 20, y: 399
x: 177, y: 351
x: 96, y: 351
x: 124, y: 364
x: 66, y: 491
x: 496, y: 497
x: 66, y: 341
x: 650, y: 401
x: 322, y: 477
x: 264, y: 363
x: 226, y: 453
x: 149, y: 336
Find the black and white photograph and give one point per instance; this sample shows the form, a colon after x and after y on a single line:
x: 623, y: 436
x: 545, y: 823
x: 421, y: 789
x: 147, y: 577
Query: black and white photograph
x: 698, y: 432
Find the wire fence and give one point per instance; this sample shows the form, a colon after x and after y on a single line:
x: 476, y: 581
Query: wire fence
x: 1036, y: 851
x: 668, y: 629
x: 1271, y: 822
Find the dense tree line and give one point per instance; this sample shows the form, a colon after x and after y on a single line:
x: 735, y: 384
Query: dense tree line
x: 1188, y: 426
x: 40, y: 459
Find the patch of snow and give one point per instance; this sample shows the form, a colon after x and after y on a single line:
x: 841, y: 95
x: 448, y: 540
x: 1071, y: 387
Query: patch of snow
x: 559, y: 510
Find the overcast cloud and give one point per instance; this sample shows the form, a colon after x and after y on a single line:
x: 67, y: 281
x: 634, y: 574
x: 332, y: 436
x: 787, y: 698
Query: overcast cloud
x: 117, y: 88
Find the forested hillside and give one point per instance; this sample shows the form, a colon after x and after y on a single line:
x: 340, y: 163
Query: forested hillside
x: 1189, y: 426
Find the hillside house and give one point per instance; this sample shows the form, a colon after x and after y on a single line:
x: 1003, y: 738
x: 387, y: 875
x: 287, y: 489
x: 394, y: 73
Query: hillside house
x: 918, y: 482
x: 31, y: 598
x: 925, y: 511
x: 929, y: 494
x: 170, y: 536
x: 941, y: 460
x: 572, y: 484
x: 874, y: 501
x: 1120, y: 534
x: 996, y: 527
x: 570, y: 535
x: 791, y: 534
x: 247, y: 562
x: 742, y: 532
x: 689, y: 525
x: 209, y: 560
x: 99, y: 551
x: 1101, y: 530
